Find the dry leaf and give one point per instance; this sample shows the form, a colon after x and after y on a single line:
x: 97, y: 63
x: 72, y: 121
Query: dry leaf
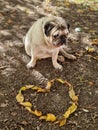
x: 20, y: 98
x: 66, y: 82
x: 22, y: 89
x: 25, y: 88
x: 61, y: 81
x: 35, y: 88
x: 26, y: 104
x: 62, y: 122
x: 70, y: 110
x: 39, y: 89
x: 90, y: 49
x: 95, y: 41
x: 37, y: 113
x: 91, y: 83
x: 49, y: 84
x: 49, y: 117
x: 29, y: 109
x: 29, y: 86
x: 72, y: 95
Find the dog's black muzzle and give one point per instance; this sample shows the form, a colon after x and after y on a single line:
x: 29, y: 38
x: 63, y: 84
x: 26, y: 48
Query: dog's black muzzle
x: 63, y: 39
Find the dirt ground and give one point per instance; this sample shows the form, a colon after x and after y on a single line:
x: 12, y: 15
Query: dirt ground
x: 16, y: 16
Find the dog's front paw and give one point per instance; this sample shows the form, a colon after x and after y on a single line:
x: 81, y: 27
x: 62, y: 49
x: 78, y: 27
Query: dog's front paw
x: 30, y: 65
x: 72, y: 57
x: 61, y: 58
x: 58, y: 67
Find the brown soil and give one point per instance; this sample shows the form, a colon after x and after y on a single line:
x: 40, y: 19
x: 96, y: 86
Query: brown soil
x: 15, y: 19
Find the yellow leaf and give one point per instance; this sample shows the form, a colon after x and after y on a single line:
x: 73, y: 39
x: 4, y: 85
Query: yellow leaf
x: 72, y: 95
x: 29, y: 86
x: 43, y: 117
x: 48, y: 86
x: 70, y: 110
x: 22, y: 89
x: 26, y: 104
x: 67, y: 114
x: 61, y: 81
x: 66, y: 82
x: 49, y: 117
x: 95, y: 41
x: 29, y: 109
x: 62, y: 122
x: 90, y: 49
x: 36, y: 88
x: 20, y: 98
x: 41, y: 90
x: 37, y: 113
x: 25, y: 88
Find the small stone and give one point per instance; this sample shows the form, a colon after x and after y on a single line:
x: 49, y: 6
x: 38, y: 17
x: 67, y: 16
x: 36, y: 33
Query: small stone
x: 78, y: 29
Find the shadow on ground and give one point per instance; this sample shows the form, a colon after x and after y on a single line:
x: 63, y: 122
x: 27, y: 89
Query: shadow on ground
x: 15, y: 19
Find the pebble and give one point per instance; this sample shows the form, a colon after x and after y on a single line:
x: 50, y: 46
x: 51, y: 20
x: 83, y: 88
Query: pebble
x: 78, y: 29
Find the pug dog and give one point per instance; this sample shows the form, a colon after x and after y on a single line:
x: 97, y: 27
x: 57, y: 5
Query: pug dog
x: 46, y: 38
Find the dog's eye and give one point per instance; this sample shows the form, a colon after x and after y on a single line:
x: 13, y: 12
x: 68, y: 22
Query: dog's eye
x: 56, y: 36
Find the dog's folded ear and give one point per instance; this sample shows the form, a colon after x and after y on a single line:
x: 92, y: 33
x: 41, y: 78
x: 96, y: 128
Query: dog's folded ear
x: 48, y: 27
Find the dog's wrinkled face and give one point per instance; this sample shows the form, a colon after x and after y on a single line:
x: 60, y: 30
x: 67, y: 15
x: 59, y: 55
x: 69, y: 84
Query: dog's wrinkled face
x: 57, y: 32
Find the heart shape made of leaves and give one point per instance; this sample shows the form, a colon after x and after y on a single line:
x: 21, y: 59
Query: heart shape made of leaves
x: 49, y: 116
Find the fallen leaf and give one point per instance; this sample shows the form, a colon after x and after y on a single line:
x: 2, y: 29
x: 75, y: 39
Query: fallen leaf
x: 95, y: 41
x: 39, y: 89
x: 70, y: 110
x: 90, y: 49
x: 66, y: 82
x: 29, y: 109
x: 36, y: 88
x: 49, y: 117
x: 20, y: 98
x: 37, y: 113
x: 91, y: 83
x: 26, y: 104
x: 29, y: 86
x: 72, y: 95
x: 49, y: 84
x: 61, y: 81
x: 22, y: 89
x: 61, y: 122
